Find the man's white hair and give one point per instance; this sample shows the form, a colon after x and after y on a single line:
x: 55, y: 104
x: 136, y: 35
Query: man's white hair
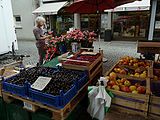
x: 39, y: 19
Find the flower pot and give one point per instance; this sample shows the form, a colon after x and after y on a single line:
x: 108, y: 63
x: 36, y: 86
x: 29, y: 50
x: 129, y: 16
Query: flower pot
x: 84, y: 44
x: 62, y: 48
x: 90, y: 45
x: 75, y: 47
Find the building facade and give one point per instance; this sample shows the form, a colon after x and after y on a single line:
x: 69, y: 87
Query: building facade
x: 24, y: 19
x: 122, y: 23
x: 56, y: 21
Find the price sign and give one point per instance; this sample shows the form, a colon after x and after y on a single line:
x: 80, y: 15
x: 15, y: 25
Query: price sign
x: 41, y: 83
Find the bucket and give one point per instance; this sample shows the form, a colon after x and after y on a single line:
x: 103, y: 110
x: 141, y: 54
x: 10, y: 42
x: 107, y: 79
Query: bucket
x: 74, y: 47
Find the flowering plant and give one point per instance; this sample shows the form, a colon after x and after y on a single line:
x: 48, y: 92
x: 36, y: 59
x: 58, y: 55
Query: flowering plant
x: 55, y: 43
x: 75, y: 35
x: 89, y: 36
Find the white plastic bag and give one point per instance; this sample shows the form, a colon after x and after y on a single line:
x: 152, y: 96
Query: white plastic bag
x: 99, y: 99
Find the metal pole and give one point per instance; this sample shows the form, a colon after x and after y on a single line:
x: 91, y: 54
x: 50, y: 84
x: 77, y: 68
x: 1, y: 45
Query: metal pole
x: 77, y: 23
x: 152, y: 19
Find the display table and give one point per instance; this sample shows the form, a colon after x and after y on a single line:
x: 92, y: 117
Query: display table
x: 94, y: 69
x: 52, y: 63
x: 93, y: 72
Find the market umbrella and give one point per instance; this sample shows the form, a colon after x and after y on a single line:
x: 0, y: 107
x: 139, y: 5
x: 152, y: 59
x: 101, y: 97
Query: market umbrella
x: 94, y: 6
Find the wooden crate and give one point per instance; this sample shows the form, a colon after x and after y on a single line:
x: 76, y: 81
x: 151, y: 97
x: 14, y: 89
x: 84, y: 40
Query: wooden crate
x: 133, y: 67
x: 149, y: 72
x: 148, y: 47
x: 129, y: 102
x: 154, y: 103
x: 8, y: 71
x: 93, y: 68
x: 57, y: 114
x: 154, y: 107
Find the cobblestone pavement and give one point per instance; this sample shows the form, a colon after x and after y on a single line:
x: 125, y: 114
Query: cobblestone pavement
x: 25, y: 48
x: 28, y: 48
x: 112, y: 51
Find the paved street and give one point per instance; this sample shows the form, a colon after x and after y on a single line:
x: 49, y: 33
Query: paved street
x: 112, y: 51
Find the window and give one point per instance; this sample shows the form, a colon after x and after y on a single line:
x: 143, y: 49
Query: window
x: 17, y: 19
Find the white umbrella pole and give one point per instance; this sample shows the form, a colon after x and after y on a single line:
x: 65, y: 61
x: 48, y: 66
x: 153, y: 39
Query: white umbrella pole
x: 99, y: 40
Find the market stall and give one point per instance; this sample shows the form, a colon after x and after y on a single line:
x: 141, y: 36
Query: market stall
x: 134, y: 82
x: 129, y: 80
x: 64, y: 89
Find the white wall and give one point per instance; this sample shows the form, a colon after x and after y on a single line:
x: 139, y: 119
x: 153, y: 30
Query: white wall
x: 24, y: 8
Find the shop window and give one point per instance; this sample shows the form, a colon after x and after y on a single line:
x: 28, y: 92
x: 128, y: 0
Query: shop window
x: 157, y: 23
x: 131, y: 24
x: 90, y: 22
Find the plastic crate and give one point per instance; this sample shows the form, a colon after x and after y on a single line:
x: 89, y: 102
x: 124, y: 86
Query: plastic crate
x: 56, y: 101
x: 50, y: 71
x: 81, y: 81
x: 15, y: 89
x: 22, y: 90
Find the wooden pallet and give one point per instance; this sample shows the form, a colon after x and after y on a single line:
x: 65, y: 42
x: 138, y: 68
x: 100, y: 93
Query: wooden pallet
x: 57, y: 114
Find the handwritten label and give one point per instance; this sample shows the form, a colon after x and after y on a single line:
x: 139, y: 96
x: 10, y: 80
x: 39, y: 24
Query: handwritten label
x: 41, y: 83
